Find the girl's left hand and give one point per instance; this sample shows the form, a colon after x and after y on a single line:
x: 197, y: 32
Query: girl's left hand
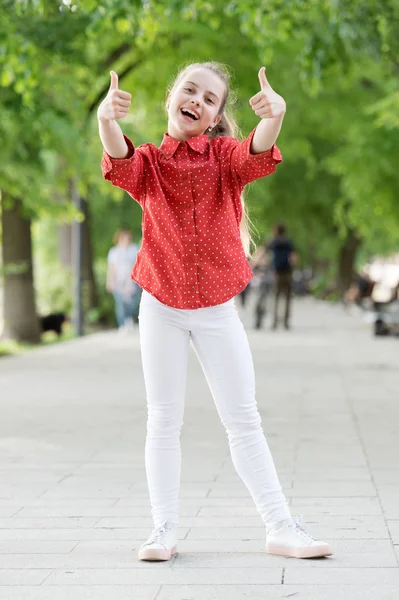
x: 266, y: 103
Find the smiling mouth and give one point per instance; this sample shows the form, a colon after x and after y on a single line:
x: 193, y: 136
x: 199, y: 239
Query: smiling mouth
x: 190, y: 114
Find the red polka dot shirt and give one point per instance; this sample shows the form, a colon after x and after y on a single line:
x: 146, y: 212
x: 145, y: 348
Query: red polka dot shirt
x: 191, y: 255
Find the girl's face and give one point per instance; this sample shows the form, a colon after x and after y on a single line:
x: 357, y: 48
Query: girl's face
x: 194, y: 104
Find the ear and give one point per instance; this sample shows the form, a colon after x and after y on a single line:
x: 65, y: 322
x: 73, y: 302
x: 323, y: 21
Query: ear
x: 216, y: 121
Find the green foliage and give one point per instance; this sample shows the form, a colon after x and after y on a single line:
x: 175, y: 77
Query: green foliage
x: 104, y: 313
x: 12, y: 347
x: 335, y: 62
x: 53, y: 280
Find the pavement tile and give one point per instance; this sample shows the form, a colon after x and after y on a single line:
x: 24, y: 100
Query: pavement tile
x: 351, y: 576
x: 75, y: 560
x: 6, y: 512
x: 79, y: 534
x: 73, y: 503
x: 226, y: 533
x: 325, y: 489
x: 200, y: 521
x: 277, y: 592
x: 343, y: 548
x: 164, y: 576
x: 80, y: 592
x: 48, y: 523
x: 393, y: 527
x: 334, y: 505
x: 11, y: 547
x: 341, y: 475
x: 122, y: 511
x: 24, y: 576
x: 191, y: 558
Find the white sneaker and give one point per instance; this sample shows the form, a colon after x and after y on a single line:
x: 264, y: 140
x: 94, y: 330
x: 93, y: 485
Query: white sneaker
x: 162, y: 544
x: 292, y: 540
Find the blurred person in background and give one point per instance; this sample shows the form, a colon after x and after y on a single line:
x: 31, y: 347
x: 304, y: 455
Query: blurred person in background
x: 284, y: 258
x: 278, y: 257
x: 260, y: 265
x: 126, y: 292
x: 361, y: 288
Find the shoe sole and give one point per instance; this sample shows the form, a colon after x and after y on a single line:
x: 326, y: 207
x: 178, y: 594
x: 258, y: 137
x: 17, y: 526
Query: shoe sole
x: 318, y: 552
x: 157, y: 555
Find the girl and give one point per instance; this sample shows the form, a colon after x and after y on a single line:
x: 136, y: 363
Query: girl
x: 191, y: 266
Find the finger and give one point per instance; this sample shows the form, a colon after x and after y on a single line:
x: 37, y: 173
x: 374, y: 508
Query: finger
x: 264, y: 84
x: 256, y: 98
x: 124, y: 95
x: 114, y: 81
x: 262, y: 102
x: 122, y: 103
x: 119, y: 114
x: 265, y: 113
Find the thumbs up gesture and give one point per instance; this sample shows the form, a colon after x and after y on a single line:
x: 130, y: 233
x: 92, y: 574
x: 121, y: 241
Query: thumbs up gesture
x: 116, y: 103
x: 267, y: 104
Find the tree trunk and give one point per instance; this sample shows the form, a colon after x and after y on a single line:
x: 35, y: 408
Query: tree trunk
x: 65, y: 255
x: 346, y: 260
x: 90, y: 286
x: 20, y: 318
x: 65, y: 244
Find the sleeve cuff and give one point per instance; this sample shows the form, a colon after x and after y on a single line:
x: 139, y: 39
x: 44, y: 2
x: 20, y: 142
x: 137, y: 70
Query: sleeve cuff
x: 108, y: 162
x: 273, y: 152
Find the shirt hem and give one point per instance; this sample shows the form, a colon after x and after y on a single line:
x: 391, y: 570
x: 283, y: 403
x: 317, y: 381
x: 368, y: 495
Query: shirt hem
x: 202, y: 305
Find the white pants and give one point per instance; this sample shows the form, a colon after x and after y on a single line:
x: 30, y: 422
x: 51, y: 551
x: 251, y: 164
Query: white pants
x: 221, y: 344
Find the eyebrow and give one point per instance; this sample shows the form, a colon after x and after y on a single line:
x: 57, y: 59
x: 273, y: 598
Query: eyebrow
x: 207, y: 92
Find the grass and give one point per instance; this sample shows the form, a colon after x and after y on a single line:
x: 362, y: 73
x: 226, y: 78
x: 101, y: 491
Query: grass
x: 12, y: 347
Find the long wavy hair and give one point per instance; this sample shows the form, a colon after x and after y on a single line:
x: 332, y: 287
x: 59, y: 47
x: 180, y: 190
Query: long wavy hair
x: 227, y: 126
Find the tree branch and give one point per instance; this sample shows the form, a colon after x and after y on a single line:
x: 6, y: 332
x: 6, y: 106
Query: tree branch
x: 117, y: 53
x: 104, y: 90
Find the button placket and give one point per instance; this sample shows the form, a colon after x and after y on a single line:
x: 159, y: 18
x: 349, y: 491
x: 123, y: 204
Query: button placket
x: 189, y: 232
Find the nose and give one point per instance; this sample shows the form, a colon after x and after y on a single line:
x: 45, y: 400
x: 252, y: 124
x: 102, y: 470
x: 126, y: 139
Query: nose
x: 195, y: 101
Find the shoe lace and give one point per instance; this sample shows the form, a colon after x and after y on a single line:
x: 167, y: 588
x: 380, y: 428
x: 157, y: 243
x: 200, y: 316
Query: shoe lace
x: 302, y: 530
x: 159, y: 533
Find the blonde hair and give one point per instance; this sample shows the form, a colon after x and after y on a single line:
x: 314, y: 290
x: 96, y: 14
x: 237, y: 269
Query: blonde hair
x: 227, y: 126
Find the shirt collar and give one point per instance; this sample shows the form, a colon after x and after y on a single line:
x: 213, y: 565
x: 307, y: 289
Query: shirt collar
x: 169, y: 145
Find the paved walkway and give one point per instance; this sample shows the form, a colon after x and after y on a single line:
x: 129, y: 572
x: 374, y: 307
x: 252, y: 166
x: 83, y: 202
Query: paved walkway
x: 73, y: 500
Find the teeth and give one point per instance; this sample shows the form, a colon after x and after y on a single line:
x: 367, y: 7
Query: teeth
x: 190, y: 112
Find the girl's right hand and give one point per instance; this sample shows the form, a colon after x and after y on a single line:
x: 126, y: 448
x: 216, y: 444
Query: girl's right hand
x: 116, y: 103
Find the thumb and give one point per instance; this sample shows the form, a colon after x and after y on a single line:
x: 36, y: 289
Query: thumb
x: 264, y: 84
x: 114, y: 81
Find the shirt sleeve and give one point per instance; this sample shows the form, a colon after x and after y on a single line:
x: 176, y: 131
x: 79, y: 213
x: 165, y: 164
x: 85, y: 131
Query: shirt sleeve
x: 126, y: 173
x: 249, y: 167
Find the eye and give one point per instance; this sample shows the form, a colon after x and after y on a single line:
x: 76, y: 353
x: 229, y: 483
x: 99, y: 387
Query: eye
x: 188, y: 89
x: 210, y: 101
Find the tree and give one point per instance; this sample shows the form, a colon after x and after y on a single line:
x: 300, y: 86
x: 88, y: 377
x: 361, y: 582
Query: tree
x: 21, y: 322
